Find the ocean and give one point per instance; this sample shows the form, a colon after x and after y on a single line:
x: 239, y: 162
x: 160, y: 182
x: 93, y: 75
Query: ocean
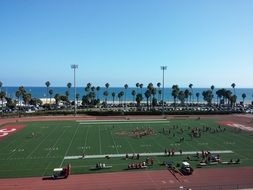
x: 41, y: 92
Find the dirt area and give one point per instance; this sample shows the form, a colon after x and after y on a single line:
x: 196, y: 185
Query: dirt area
x: 137, y: 132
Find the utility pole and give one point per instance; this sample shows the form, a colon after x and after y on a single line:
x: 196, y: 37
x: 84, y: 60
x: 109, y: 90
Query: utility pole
x: 163, y: 68
x: 74, y: 67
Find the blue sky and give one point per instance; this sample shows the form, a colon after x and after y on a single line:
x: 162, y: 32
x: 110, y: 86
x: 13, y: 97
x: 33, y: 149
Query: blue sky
x: 202, y: 42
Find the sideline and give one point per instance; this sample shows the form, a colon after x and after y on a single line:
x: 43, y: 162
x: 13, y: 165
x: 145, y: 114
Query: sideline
x: 144, y: 154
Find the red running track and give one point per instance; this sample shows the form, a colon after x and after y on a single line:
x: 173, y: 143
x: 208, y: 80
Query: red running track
x: 229, y: 178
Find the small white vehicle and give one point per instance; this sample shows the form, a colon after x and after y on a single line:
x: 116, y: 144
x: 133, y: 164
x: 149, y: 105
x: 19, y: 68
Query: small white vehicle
x: 186, y: 169
x: 61, y: 173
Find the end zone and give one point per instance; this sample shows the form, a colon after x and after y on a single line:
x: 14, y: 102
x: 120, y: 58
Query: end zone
x: 236, y: 125
x: 9, y: 129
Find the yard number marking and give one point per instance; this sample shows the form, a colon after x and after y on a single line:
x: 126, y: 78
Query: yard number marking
x: 5, y: 132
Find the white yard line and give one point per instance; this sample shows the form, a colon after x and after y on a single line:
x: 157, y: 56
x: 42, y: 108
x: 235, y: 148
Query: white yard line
x: 115, y: 145
x: 100, y: 149
x: 147, y: 154
x: 120, y: 121
x: 157, y: 143
x: 44, y: 172
x: 130, y: 144
x: 69, y: 145
x: 36, y: 148
x: 123, y: 122
x: 58, y: 138
x: 84, y: 147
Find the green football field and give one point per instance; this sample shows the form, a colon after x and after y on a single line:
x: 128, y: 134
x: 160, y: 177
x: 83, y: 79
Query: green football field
x: 41, y: 146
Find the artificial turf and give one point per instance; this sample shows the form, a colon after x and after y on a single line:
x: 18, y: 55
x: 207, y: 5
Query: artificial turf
x: 42, y: 146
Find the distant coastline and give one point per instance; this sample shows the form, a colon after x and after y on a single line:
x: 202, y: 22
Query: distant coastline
x: 41, y: 93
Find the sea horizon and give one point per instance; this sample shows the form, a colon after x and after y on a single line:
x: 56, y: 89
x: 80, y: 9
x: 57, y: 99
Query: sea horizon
x: 41, y: 92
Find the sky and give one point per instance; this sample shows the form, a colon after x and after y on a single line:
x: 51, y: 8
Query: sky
x: 203, y: 42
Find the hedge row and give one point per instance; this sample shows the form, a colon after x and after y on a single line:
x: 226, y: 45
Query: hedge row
x: 116, y: 113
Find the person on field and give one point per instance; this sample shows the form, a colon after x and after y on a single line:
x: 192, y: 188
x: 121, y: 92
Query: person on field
x: 138, y: 156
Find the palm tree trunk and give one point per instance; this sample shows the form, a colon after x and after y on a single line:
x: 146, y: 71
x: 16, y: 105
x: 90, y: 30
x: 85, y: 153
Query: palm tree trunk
x: 2, y: 106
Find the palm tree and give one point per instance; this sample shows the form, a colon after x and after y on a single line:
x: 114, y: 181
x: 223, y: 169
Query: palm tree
x: 197, y: 95
x: 27, y: 97
x: 97, y: 89
x: 243, y: 97
x: 174, y: 93
x: 153, y: 100
x: 93, y: 88
x: 120, y: 94
x: 18, y: 94
x: 207, y: 96
x: 147, y: 95
x: 186, y: 94
x: 69, y: 85
x: 87, y: 88
x: 107, y: 85
x: 67, y: 95
x: 77, y: 97
x: 212, y: 88
x: 50, y: 94
x: 126, y: 87
x: 190, y: 94
x: 158, y: 86
x: 137, y: 86
x: 22, y: 91
x: 1, y: 85
x: 228, y: 95
x: 150, y: 87
x: 233, y: 100
x: 113, y: 96
x: 133, y: 94
x: 2, y: 97
x: 160, y: 94
x: 138, y: 99
x: 182, y: 96
x: 141, y: 86
x: 57, y: 98
x: 219, y: 95
x: 47, y: 85
x: 106, y: 95
x: 88, y: 85
x: 233, y: 86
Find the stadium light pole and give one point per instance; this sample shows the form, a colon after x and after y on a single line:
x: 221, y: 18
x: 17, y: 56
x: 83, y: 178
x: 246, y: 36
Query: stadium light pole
x: 74, y: 67
x: 163, y: 68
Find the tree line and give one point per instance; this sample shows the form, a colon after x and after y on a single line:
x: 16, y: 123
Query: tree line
x: 152, y: 96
